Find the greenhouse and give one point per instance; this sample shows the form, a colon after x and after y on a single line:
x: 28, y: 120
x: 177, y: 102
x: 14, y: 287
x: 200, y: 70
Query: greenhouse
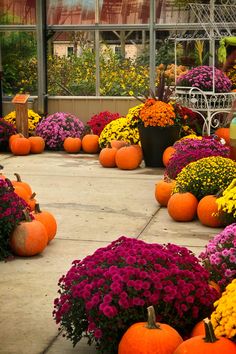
x: 117, y: 176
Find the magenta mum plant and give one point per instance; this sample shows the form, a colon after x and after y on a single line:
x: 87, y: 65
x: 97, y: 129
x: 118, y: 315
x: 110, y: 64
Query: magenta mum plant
x: 202, y: 77
x: 102, y: 295
x: 219, y: 256
x: 189, y: 150
x: 98, y: 122
x: 58, y: 126
x: 11, y: 214
x: 6, y: 130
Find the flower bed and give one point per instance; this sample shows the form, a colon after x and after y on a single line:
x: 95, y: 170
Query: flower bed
x: 102, y: 295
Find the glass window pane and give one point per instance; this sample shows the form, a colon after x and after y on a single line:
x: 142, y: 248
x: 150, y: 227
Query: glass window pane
x: 168, y: 12
x: 19, y: 60
x: 124, y: 11
x: 71, y: 64
x: 70, y: 12
x: 124, y: 63
x: 14, y: 12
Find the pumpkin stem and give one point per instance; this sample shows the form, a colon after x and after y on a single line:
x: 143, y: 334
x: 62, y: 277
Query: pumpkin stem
x: 32, y: 196
x: 18, y: 178
x: 26, y: 215
x: 37, y: 209
x: 209, y: 332
x: 151, y: 322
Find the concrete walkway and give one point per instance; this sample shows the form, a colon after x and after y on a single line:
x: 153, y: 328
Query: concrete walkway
x: 93, y: 206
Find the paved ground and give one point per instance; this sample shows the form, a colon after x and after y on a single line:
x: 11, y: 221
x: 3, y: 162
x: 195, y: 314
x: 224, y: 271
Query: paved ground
x: 93, y: 206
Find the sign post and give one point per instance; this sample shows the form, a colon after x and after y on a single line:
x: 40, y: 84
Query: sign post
x: 21, y: 106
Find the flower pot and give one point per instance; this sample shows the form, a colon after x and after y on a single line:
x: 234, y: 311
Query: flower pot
x: 154, y: 140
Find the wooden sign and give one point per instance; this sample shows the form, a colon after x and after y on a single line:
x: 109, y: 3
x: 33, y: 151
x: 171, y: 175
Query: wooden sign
x: 20, y: 98
x: 21, y: 106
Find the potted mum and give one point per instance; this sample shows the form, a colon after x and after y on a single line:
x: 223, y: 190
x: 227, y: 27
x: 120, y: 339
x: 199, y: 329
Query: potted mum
x: 160, y: 122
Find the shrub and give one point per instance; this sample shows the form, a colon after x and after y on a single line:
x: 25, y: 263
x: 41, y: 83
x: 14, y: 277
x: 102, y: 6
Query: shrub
x: 208, y: 175
x: 58, y: 126
x: 102, y: 295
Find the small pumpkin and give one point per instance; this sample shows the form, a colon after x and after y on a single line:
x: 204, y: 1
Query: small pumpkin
x: 13, y: 137
x: 37, y: 144
x: 128, y: 158
x: 163, y: 191
x: 32, y: 201
x: 150, y: 337
x: 107, y: 157
x: 207, y: 211
x: 198, y: 329
x: 20, y: 146
x: 72, y: 145
x: 21, y: 192
x: 48, y: 220
x: 118, y: 143
x: 28, y: 238
x: 90, y: 143
x: 224, y: 134
x: 182, y: 206
x: 21, y: 183
x: 206, y: 344
x: 167, y: 154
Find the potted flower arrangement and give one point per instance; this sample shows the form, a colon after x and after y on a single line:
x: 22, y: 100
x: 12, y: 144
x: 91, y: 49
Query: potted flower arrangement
x: 160, y: 121
x: 102, y: 295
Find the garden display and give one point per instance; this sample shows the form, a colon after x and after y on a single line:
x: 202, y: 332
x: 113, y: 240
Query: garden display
x: 55, y: 128
x: 102, y: 295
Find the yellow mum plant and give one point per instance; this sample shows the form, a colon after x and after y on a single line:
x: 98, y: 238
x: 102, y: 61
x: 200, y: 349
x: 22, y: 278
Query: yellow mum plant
x: 227, y: 203
x: 33, y: 119
x: 224, y: 317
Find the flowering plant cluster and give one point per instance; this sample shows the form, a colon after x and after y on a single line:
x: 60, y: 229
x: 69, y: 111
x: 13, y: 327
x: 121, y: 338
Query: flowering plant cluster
x: 208, y: 175
x: 219, y: 256
x: 227, y: 203
x: 98, y: 122
x: 231, y: 73
x: 133, y: 115
x: 11, y: 214
x: 202, y: 77
x: 6, y: 130
x: 157, y: 113
x: 102, y: 295
x: 224, y: 317
x: 58, y: 126
x: 33, y: 119
x: 189, y: 150
x: 119, y: 129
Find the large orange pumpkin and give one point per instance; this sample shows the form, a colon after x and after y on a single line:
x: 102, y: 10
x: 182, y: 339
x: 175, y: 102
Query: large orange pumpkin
x: 182, y: 206
x: 20, y: 146
x: 29, y: 238
x: 223, y: 133
x: 163, y: 191
x: 72, y: 145
x: 21, y: 183
x: 128, y: 158
x: 107, y: 157
x: 207, y: 344
x: 207, y: 211
x: 90, y: 143
x: 149, y: 338
x: 48, y: 220
x: 37, y: 144
x: 167, y: 154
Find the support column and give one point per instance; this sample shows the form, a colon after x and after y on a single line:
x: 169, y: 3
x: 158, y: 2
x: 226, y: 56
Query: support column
x: 42, y: 55
x: 152, y: 44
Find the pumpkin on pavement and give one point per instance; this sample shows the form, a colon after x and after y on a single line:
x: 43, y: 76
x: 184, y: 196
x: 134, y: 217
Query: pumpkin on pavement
x: 107, y: 157
x: 47, y: 219
x: 37, y: 144
x: 182, y: 206
x: 72, y: 145
x: 90, y: 143
x: 207, y: 211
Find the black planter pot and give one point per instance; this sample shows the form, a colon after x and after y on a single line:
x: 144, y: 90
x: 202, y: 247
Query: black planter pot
x: 154, y: 140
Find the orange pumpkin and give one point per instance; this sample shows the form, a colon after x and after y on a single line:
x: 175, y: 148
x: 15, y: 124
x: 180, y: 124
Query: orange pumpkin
x: 48, y: 220
x: 167, y: 154
x: 21, y: 192
x: 72, y: 145
x: 29, y: 238
x: 150, y: 337
x: 198, y: 329
x: 182, y: 206
x: 207, y: 210
x: 163, y: 191
x: 37, y: 144
x: 13, y: 137
x: 20, y: 146
x: 118, y: 143
x: 32, y: 201
x: 90, y: 143
x: 224, y: 134
x: 206, y: 344
x: 107, y: 157
x: 128, y: 158
x: 140, y: 152
x: 19, y: 182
